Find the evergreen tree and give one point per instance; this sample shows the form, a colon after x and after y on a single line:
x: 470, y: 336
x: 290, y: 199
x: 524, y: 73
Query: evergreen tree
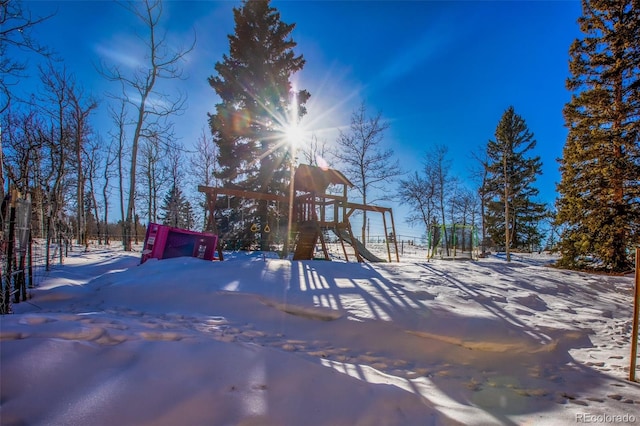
x: 599, y: 203
x: 176, y: 210
x: 509, y: 188
x: 187, y: 216
x: 257, y: 104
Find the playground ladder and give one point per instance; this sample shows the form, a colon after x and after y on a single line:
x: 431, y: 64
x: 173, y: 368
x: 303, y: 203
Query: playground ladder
x: 308, y: 233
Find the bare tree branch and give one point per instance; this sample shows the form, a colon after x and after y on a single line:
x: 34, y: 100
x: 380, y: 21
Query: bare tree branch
x: 16, y: 24
x: 141, y: 90
x: 365, y: 162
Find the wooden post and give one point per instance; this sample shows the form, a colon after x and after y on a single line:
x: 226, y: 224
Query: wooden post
x: 386, y: 236
x: 636, y: 307
x: 288, y: 244
x: 395, y: 240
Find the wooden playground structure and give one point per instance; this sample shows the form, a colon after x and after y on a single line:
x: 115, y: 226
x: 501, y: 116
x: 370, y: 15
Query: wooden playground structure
x: 315, y: 212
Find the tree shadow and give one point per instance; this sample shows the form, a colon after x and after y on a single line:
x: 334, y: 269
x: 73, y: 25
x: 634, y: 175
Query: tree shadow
x: 496, y: 362
x: 437, y: 334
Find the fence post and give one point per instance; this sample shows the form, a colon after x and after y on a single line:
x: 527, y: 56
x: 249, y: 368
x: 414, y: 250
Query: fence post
x: 5, y: 308
x: 10, y: 248
x: 30, y: 259
x: 636, y: 306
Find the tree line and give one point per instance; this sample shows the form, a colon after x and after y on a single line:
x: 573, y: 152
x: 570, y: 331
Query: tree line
x: 51, y: 151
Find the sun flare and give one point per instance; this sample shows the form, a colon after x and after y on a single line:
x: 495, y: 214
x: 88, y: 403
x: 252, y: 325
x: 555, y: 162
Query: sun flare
x: 294, y: 134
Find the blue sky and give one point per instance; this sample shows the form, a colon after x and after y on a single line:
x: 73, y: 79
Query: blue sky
x: 441, y: 72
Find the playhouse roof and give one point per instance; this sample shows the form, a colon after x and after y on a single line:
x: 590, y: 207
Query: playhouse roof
x: 315, y: 179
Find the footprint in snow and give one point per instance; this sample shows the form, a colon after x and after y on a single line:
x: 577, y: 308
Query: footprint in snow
x: 161, y: 336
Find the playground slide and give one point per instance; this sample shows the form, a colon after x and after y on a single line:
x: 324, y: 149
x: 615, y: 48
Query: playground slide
x: 341, y: 233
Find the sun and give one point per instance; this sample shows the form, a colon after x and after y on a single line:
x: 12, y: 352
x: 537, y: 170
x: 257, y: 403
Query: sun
x: 294, y: 134
x: 291, y: 128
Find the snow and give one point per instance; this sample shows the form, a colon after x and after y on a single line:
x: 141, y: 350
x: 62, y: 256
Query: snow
x: 257, y: 340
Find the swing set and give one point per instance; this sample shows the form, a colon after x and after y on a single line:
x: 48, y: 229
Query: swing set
x: 314, y: 211
x: 237, y: 233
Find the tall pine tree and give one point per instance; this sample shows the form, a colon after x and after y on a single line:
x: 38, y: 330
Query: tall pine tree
x: 257, y: 103
x: 512, y: 214
x: 599, y: 202
x: 176, y: 210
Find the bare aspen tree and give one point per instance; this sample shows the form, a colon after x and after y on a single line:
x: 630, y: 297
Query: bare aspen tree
x: 436, y: 167
x: 94, y: 160
x: 107, y: 174
x: 366, y: 163
x: 152, y: 174
x: 419, y: 192
x: 315, y: 152
x: 21, y: 148
x: 465, y: 205
x: 80, y: 109
x: 204, y: 166
x: 481, y: 174
x: 119, y: 136
x: 141, y: 90
x: 56, y: 103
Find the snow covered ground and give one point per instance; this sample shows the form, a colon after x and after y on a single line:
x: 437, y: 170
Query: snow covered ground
x: 257, y: 340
